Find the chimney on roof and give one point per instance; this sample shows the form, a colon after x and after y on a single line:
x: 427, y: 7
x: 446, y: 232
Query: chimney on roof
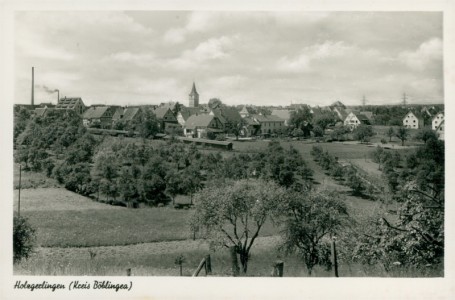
x: 33, y: 85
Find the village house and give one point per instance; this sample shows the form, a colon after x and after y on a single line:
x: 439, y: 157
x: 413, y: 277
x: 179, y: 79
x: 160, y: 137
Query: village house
x: 251, y: 127
x: 413, y: 120
x: 228, y: 116
x: 354, y: 119
x: 269, y: 124
x: 440, y: 130
x: 185, y: 113
x: 75, y: 104
x: 98, y: 116
x: 246, y: 111
x: 284, y: 114
x: 202, y: 126
x: 166, y: 118
x: 437, y: 120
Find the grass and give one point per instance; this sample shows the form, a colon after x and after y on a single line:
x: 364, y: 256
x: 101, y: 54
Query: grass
x: 30, y: 180
x: 155, y: 259
x: 66, y: 219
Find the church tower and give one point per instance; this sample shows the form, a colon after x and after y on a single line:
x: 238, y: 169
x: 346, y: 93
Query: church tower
x: 194, y: 97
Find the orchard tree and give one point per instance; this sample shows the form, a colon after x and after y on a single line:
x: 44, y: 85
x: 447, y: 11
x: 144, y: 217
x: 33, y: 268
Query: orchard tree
x: 309, y: 219
x: 324, y: 119
x: 402, y: 133
x: 363, y: 133
x: 390, y: 133
x: 232, y: 214
x: 24, y: 238
x: 426, y: 134
x: 300, y: 117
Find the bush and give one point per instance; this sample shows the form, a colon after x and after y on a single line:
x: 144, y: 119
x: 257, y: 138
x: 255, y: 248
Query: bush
x: 24, y: 237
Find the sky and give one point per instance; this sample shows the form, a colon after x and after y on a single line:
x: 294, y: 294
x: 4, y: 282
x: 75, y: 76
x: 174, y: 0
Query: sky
x: 258, y: 58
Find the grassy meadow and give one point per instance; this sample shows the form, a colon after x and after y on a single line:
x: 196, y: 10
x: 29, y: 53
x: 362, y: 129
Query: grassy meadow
x: 79, y: 236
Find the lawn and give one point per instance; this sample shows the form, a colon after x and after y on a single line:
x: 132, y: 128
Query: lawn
x: 31, y: 179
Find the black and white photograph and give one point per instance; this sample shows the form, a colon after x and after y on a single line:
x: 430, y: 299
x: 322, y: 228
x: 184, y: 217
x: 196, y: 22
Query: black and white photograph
x: 240, y: 143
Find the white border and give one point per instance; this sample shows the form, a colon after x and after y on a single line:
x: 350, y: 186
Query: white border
x: 225, y: 288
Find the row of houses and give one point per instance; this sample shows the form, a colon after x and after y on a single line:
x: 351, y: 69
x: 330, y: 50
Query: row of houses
x: 201, y: 121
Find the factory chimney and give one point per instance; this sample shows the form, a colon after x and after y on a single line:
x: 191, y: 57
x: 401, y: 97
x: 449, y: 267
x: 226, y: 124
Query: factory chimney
x: 33, y: 85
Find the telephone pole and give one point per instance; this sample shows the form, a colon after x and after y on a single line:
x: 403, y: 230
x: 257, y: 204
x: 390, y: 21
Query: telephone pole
x: 404, y: 99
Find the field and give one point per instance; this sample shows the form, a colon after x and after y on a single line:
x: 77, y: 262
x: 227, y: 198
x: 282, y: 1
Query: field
x: 85, y: 237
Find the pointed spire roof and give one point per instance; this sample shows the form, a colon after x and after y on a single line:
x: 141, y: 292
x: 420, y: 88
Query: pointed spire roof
x: 193, y: 90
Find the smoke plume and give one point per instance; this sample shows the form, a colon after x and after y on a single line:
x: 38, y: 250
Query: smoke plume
x: 50, y: 91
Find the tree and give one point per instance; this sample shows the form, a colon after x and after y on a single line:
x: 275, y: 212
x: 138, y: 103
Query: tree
x: 363, y: 133
x: 237, y: 128
x: 24, y: 237
x: 426, y: 134
x: 308, y: 220
x: 324, y: 119
x: 390, y: 133
x: 402, y: 133
x: 233, y: 213
x: 354, y: 181
x: 300, y: 117
x: 318, y: 131
x: 214, y: 103
x: 148, y: 126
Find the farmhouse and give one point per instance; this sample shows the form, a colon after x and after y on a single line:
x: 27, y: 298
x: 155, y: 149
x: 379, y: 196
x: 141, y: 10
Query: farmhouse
x: 284, y: 114
x: 185, y: 113
x: 437, y: 120
x: 354, y: 119
x: 413, y: 120
x: 75, y: 104
x: 98, y: 116
x: 201, y: 126
x: 440, y: 130
x: 228, y: 116
x: 269, y: 124
x: 165, y: 117
x: 246, y: 111
x: 251, y: 127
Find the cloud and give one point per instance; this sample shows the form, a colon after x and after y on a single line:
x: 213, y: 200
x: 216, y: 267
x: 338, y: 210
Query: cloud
x: 139, y: 59
x: 302, y: 62
x: 210, y: 50
x: 428, y: 52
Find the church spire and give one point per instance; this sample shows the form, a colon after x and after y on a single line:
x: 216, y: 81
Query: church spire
x: 194, y: 97
x: 193, y: 90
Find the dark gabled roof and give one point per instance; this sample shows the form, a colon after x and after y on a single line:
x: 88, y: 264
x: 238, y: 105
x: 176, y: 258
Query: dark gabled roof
x: 160, y: 112
x: 199, y: 121
x: 40, y: 111
x: 95, y: 112
x: 282, y: 113
x: 367, y: 114
x: 251, y: 121
x: 189, y: 111
x: 227, y: 114
x: 193, y: 90
x: 416, y: 113
x: 338, y: 104
x: 262, y: 118
x: 68, y: 102
x: 130, y: 112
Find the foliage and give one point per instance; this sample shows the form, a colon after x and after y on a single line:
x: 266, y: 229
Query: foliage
x: 24, y: 237
x: 363, y: 133
x: 402, y: 133
x: 233, y: 213
x: 318, y: 131
x: 148, y: 125
x: 426, y: 134
x: 300, y: 117
x: 215, y: 103
x: 354, y: 181
x: 309, y: 220
x: 339, y: 133
x: 324, y: 119
x: 390, y: 133
x: 416, y: 236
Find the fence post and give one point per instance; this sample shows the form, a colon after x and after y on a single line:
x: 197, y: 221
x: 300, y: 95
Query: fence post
x: 334, y: 258
x: 208, y: 265
x: 278, y: 267
x: 128, y: 272
x: 199, y: 268
x: 234, y: 262
x: 20, y: 183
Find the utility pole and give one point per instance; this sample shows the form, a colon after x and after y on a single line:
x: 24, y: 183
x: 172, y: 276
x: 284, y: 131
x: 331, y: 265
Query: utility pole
x: 364, y: 101
x: 20, y: 182
x: 404, y: 99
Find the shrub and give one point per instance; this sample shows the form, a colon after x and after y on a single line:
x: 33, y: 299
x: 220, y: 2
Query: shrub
x: 24, y: 237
